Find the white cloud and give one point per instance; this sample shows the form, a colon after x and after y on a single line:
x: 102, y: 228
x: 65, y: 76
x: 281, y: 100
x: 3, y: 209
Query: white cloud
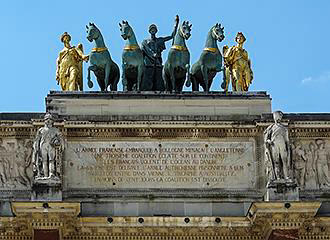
x: 323, y: 77
x: 306, y: 80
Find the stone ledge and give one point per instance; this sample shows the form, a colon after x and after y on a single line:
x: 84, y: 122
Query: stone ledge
x: 237, y: 195
x: 157, y: 95
x: 157, y: 103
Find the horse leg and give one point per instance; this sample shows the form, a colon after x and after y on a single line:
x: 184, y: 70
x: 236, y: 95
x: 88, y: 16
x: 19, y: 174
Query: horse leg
x: 188, y: 82
x: 195, y: 86
x: 180, y: 84
x: 124, y: 79
x: 115, y: 78
x: 165, y: 79
x: 106, y: 76
x: 205, y: 77
x: 172, y: 78
x: 90, y: 68
x: 139, y: 76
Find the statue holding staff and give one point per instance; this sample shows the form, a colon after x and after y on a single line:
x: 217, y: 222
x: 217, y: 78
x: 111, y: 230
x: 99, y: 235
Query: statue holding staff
x: 152, y: 49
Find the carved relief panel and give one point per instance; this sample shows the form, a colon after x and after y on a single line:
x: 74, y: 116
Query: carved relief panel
x: 311, y: 159
x: 15, y: 163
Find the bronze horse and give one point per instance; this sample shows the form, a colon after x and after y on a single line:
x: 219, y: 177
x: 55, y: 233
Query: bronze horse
x: 176, y: 68
x: 105, y: 70
x: 210, y: 61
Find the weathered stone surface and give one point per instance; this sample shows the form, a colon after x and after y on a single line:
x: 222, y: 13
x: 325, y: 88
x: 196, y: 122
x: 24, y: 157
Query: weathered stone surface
x: 177, y: 164
x: 15, y: 163
x: 281, y: 190
x: 158, y: 103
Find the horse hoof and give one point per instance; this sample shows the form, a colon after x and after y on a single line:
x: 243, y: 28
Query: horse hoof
x: 90, y: 84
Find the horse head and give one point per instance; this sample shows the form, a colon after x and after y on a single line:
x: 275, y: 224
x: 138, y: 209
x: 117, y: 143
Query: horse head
x: 92, y: 32
x: 218, y: 32
x: 185, y: 29
x: 125, y: 30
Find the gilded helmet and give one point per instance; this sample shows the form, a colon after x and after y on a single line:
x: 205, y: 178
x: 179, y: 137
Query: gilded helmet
x: 65, y: 34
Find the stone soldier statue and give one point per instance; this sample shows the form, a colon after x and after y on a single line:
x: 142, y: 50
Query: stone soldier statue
x: 277, y: 149
x: 152, y: 52
x: 47, y: 150
x: 69, y: 65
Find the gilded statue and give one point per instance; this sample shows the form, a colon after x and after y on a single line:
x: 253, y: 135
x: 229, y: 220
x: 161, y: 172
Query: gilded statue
x: 47, y: 151
x: 69, y: 73
x: 237, y: 66
x: 277, y: 150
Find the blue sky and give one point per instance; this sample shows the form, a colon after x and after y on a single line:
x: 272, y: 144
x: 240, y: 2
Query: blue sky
x: 287, y: 41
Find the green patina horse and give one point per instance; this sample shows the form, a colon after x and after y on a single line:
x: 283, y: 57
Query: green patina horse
x: 105, y: 70
x: 176, y: 68
x: 210, y: 61
x: 132, y: 59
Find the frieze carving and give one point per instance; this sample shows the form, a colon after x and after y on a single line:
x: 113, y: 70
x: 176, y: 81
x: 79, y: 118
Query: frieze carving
x: 15, y: 163
x: 310, y: 161
x: 163, y: 132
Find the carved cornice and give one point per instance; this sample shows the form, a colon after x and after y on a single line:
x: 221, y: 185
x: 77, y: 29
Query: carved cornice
x: 24, y: 208
x: 262, y: 219
x: 164, y: 128
x: 241, y: 194
x: 268, y: 216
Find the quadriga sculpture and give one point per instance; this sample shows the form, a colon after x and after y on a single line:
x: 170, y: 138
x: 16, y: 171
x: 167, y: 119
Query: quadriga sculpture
x: 210, y: 61
x: 105, y: 70
x: 177, y: 65
x: 132, y: 59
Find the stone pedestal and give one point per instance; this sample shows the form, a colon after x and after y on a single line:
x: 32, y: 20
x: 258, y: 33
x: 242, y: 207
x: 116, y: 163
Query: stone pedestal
x: 46, y: 190
x: 282, y: 191
x: 157, y: 103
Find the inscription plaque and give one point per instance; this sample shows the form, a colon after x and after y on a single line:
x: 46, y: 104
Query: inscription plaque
x: 118, y: 164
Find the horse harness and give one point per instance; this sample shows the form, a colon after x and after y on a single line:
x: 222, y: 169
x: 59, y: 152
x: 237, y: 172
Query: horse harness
x: 213, y: 50
x: 179, y: 48
x: 131, y: 47
x: 99, y: 49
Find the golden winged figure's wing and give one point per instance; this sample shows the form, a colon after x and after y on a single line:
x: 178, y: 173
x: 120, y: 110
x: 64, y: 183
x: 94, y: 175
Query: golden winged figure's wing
x: 225, y: 49
x: 80, y: 49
